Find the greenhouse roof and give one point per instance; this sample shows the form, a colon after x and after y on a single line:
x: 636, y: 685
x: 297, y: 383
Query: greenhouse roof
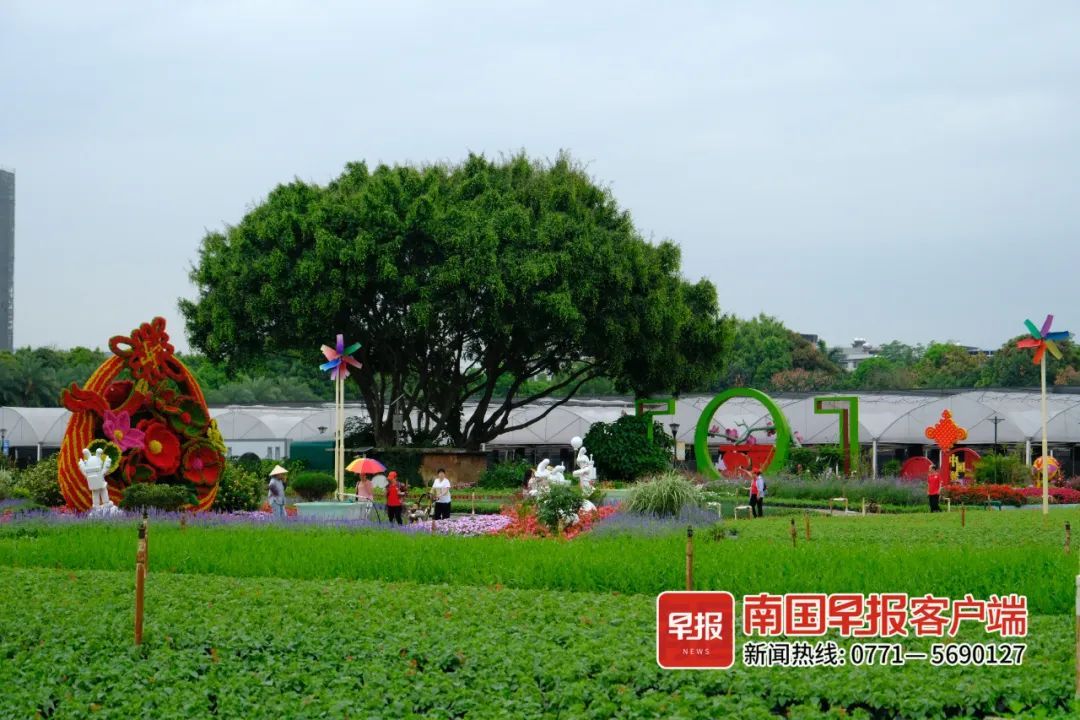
x: 899, y: 418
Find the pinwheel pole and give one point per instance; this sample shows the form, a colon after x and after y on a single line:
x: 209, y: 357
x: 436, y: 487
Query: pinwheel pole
x: 338, y: 359
x: 1042, y: 340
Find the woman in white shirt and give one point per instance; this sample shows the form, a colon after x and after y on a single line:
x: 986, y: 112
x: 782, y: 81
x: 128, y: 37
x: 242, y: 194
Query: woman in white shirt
x: 440, y: 490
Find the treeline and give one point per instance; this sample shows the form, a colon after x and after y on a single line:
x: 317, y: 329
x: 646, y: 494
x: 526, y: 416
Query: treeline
x: 769, y: 356
x: 764, y: 354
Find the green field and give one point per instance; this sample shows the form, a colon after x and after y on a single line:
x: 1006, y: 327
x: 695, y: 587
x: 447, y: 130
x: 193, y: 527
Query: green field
x: 319, y: 622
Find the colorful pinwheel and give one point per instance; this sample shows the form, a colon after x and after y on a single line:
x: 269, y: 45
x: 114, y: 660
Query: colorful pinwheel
x: 339, y: 359
x: 1043, y: 340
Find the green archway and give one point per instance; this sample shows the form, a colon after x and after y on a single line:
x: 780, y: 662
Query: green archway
x: 705, y: 465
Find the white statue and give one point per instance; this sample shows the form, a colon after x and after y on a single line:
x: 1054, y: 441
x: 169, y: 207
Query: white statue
x: 586, y: 475
x: 541, y: 478
x: 94, y: 468
x: 557, y: 476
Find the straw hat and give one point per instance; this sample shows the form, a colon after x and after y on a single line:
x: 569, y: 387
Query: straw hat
x: 278, y: 470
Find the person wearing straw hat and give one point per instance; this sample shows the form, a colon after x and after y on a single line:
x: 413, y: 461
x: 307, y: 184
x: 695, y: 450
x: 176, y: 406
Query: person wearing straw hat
x: 276, y: 493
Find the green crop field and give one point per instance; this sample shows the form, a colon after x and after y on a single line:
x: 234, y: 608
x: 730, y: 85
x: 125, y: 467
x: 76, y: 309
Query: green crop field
x: 320, y: 622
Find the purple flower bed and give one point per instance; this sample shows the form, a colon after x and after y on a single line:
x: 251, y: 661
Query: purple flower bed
x: 651, y: 525
x: 462, y: 525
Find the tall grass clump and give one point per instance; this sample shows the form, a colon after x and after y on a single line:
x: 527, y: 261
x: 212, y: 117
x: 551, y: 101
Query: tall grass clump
x: 664, y: 496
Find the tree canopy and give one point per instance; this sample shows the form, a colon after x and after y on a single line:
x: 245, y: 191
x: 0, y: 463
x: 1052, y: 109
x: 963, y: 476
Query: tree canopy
x: 463, y: 283
x: 767, y: 355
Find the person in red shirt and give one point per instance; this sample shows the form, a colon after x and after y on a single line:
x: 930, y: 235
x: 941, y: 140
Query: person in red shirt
x: 393, y: 498
x: 933, y: 489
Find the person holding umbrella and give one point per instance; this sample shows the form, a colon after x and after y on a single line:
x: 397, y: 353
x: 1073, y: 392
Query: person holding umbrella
x: 276, y: 491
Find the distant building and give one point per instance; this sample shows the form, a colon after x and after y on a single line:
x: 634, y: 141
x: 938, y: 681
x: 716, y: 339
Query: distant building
x: 7, y: 260
x: 972, y: 350
x: 850, y: 357
x: 809, y: 337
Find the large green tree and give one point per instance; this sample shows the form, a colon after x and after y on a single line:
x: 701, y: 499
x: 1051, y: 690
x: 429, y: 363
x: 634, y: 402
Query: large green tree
x: 945, y: 365
x: 455, y: 278
x: 764, y: 349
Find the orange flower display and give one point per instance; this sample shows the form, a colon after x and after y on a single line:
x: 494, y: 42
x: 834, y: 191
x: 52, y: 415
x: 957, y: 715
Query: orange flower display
x: 145, y: 380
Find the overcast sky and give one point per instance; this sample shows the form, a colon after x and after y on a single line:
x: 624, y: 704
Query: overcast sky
x: 906, y: 170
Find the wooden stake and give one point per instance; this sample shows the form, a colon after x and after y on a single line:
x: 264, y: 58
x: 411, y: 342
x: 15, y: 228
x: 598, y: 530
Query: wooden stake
x: 794, y: 532
x: 1078, y: 637
x: 806, y: 519
x: 1068, y: 538
x: 183, y: 521
x: 963, y: 519
x: 146, y: 524
x: 140, y: 582
x: 864, y: 507
x: 689, y: 557
x: 474, y: 502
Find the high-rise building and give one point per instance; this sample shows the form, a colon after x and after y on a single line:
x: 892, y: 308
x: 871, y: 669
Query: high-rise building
x: 7, y: 260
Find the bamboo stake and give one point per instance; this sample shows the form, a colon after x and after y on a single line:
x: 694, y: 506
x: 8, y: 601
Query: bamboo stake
x: 806, y: 519
x: 140, y: 582
x: 689, y: 557
x: 473, y: 503
x: 864, y: 507
x: 794, y: 532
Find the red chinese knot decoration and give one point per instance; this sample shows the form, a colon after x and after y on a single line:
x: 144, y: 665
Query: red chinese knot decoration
x: 145, y: 409
x: 946, y: 433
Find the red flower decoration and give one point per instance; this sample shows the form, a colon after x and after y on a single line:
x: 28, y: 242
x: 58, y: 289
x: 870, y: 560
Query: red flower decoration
x: 118, y: 392
x: 202, y: 465
x: 136, y: 470
x: 148, y: 354
x: 162, y: 448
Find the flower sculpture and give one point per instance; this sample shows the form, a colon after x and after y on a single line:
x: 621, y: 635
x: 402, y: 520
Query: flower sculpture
x: 144, y: 409
x: 118, y: 429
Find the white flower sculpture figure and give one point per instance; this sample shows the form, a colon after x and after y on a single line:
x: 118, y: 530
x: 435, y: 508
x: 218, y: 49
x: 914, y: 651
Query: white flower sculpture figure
x: 586, y: 475
x: 541, y: 478
x: 94, y: 468
x: 557, y: 476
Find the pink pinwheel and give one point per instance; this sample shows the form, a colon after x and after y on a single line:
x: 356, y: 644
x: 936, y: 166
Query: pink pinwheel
x: 118, y: 430
x: 1043, y: 340
x: 339, y: 358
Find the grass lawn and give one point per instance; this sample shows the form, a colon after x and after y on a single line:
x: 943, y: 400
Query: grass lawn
x: 300, y: 621
x: 272, y: 648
